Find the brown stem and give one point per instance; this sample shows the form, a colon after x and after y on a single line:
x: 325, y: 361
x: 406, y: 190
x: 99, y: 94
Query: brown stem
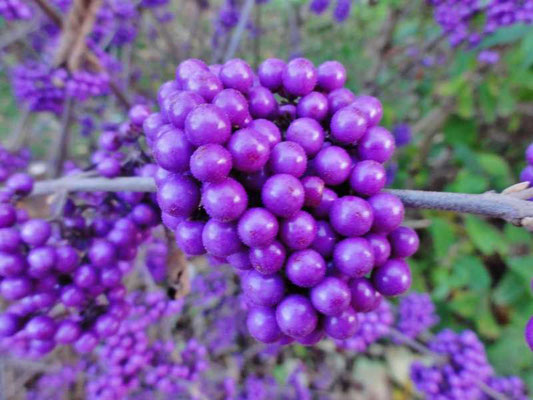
x: 62, y: 146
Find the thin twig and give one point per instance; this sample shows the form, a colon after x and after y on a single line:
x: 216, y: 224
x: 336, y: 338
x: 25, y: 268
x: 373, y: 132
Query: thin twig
x: 62, y: 145
x: 239, y: 29
x: 493, y: 205
x: 257, y: 37
x: 295, y: 39
x: 167, y: 36
x: 18, y: 134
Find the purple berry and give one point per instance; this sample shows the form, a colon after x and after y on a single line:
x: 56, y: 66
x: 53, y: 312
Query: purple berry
x: 298, y: 231
x: 263, y: 290
x: 283, y: 195
x: 333, y: 165
x: 331, y: 296
x: 268, y: 259
x: 404, y: 242
x: 288, y: 158
x: 258, y: 227
x: 306, y: 268
x: 224, y: 201
x: 262, y: 325
x: 388, y: 212
x: 331, y: 75
x: 351, y: 216
x: 211, y: 163
x: 299, y: 77
x: 207, y: 124
x: 189, y: 237
x: 353, y: 257
x: 308, y: 133
x: 249, y: 150
x: 392, y: 278
x: 296, y: 316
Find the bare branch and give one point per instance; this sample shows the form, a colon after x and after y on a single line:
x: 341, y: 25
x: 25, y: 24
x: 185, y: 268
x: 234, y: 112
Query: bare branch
x: 493, y: 205
x: 239, y: 29
x: 508, y: 207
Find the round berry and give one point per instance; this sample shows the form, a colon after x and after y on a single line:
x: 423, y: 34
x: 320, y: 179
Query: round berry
x: 296, y: 316
x: 237, y: 74
x: 325, y: 239
x: 331, y: 75
x: 270, y: 73
x: 258, y: 227
x: 343, y: 326
x: 234, y: 104
x: 283, y: 195
x: 351, y: 216
x: 268, y: 259
x: 267, y: 129
x: 314, y: 189
x: 207, y: 124
x: 211, y: 163
x: 371, y: 107
x: 263, y: 290
x: 189, y: 237
x: 314, y: 105
x: 262, y: 102
x: 249, y: 150
x: 262, y: 325
x: 299, y: 77
x: 306, y: 268
x: 178, y: 196
x: 205, y: 84
x: 388, y: 212
x: 380, y: 247
x: 221, y: 239
x: 368, y: 177
x: 298, y: 231
x: 377, y: 144
x: 333, y: 165
x: 331, y: 296
x: 404, y: 242
x: 364, y: 297
x: 224, y: 201
x: 348, y: 125
x: 308, y: 133
x: 353, y: 257
x: 288, y: 158
x: 181, y: 105
x: 392, y: 278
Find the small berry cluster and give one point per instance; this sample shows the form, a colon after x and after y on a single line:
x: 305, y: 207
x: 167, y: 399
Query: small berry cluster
x: 458, y: 378
x: 416, y: 314
x: 290, y: 194
x: 15, y: 9
x: 457, y: 18
x: 43, y: 88
x: 341, y: 12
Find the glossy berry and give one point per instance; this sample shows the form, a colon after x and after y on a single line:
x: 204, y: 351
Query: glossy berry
x: 211, y: 163
x: 283, y: 195
x: 258, y: 227
x: 392, y: 278
x: 224, y: 201
x: 305, y: 268
x: 308, y: 133
x: 331, y: 296
x: 249, y: 150
x: 298, y: 231
x: 288, y: 158
x: 299, y: 77
x: 353, y: 257
x: 296, y: 316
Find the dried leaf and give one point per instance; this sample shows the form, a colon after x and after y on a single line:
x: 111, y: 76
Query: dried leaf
x: 518, y: 187
x: 178, y: 273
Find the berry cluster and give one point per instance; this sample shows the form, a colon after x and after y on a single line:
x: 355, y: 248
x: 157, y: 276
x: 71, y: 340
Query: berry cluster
x: 129, y: 362
x: 458, y: 377
x: 43, y: 88
x: 457, y: 18
x: 416, y: 314
x: 63, y: 278
x: 341, y: 12
x: 373, y: 326
x: 512, y: 387
x: 286, y: 189
x: 15, y: 9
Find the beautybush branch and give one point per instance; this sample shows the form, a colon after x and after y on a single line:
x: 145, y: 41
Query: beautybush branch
x: 511, y: 205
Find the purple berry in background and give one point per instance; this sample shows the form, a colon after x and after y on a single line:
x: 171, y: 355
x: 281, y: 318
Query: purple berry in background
x: 339, y: 98
x: 211, y: 163
x: 234, y: 104
x: 308, y: 133
x: 388, y: 212
x: 249, y: 150
x: 288, y: 158
x: 40, y: 327
x: 67, y: 332
x: 86, y: 343
x: 404, y: 242
x: 351, y: 216
x: 331, y: 296
x: 529, y: 154
x: 368, y: 178
x: 237, y: 74
x: 207, y: 124
x: 331, y: 76
x: 527, y: 175
x: 298, y: 231
x: 9, y: 324
x: 364, y: 297
x: 221, y: 239
x: 392, y: 278
x: 328, y: 198
x: 371, y: 108
x: 262, y: 325
x: 14, y: 264
x: 402, y: 134
x: 224, y: 201
x: 8, y: 215
x: 240, y: 260
x: 35, y: 232
x: 270, y: 73
x: 268, y: 259
x: 529, y: 333
x: 258, y: 227
x: 313, y: 188
x: 263, y: 290
x: 353, y: 257
x: 333, y: 164
x: 178, y: 196
x: 314, y: 105
x: 348, y: 125
x: 299, y: 77
x: 342, y: 326
x: 296, y: 316
x: 138, y: 114
x: 189, y: 237
x: 166, y: 89
x: 377, y: 144
x: 305, y: 268
x: 283, y: 195
x: 20, y: 183
x: 262, y: 102
x: 267, y: 129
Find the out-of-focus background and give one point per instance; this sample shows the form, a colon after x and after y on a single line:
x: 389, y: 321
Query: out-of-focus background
x: 462, y: 115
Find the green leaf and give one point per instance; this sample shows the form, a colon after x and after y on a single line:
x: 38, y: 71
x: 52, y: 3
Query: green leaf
x: 509, y: 290
x: 522, y: 266
x: 465, y: 102
x: 467, y: 181
x: 516, y: 235
x: 466, y: 304
x: 506, y: 35
x: 497, y: 168
x: 443, y: 236
x: 460, y: 131
x: 485, y: 237
x: 485, y: 322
